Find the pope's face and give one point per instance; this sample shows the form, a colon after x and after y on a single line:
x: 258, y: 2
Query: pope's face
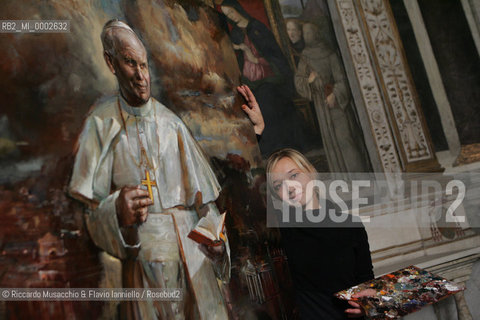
x: 294, y: 32
x: 131, y: 69
x: 289, y: 182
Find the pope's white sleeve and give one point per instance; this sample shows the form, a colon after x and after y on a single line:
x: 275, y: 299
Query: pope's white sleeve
x: 104, y: 229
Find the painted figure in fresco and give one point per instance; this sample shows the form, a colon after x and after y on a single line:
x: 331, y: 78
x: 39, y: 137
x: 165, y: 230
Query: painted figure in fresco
x: 294, y: 31
x: 146, y: 181
x: 320, y: 78
x: 323, y: 259
x: 267, y: 72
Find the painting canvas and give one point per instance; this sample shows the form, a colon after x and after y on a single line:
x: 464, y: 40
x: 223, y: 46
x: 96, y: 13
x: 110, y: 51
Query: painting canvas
x: 401, y: 292
x: 49, y: 83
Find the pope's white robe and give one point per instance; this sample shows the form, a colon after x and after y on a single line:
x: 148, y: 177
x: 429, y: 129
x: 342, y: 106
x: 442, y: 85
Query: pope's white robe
x: 107, y: 159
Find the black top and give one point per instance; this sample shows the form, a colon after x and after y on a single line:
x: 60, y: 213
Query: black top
x: 325, y: 260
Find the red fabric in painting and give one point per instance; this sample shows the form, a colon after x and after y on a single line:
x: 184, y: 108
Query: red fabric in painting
x: 255, y: 71
x: 257, y: 10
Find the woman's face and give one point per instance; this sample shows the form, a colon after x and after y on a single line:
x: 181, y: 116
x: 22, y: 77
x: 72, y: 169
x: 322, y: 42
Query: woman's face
x: 232, y: 14
x: 289, y: 182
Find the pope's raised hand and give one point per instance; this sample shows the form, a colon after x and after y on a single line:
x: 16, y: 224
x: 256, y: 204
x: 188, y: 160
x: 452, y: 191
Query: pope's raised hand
x: 132, y: 206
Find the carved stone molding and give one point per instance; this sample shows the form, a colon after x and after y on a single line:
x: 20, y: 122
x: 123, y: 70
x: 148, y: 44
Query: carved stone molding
x: 369, y: 87
x: 413, y: 141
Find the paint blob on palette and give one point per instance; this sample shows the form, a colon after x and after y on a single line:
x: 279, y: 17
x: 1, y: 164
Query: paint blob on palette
x: 399, y: 293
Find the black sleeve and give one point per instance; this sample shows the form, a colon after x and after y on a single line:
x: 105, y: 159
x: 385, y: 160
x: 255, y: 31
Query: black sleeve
x: 363, y: 260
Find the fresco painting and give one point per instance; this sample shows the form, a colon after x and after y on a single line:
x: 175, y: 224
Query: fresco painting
x: 267, y: 71
x: 320, y: 78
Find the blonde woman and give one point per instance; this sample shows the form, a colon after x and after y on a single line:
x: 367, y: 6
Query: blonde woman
x: 323, y: 259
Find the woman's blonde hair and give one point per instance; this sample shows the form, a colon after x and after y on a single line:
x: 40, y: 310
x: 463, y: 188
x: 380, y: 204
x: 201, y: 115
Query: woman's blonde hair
x: 300, y: 160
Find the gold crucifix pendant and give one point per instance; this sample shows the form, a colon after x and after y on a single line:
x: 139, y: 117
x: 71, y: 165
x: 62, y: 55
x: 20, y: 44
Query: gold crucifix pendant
x: 149, y: 183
